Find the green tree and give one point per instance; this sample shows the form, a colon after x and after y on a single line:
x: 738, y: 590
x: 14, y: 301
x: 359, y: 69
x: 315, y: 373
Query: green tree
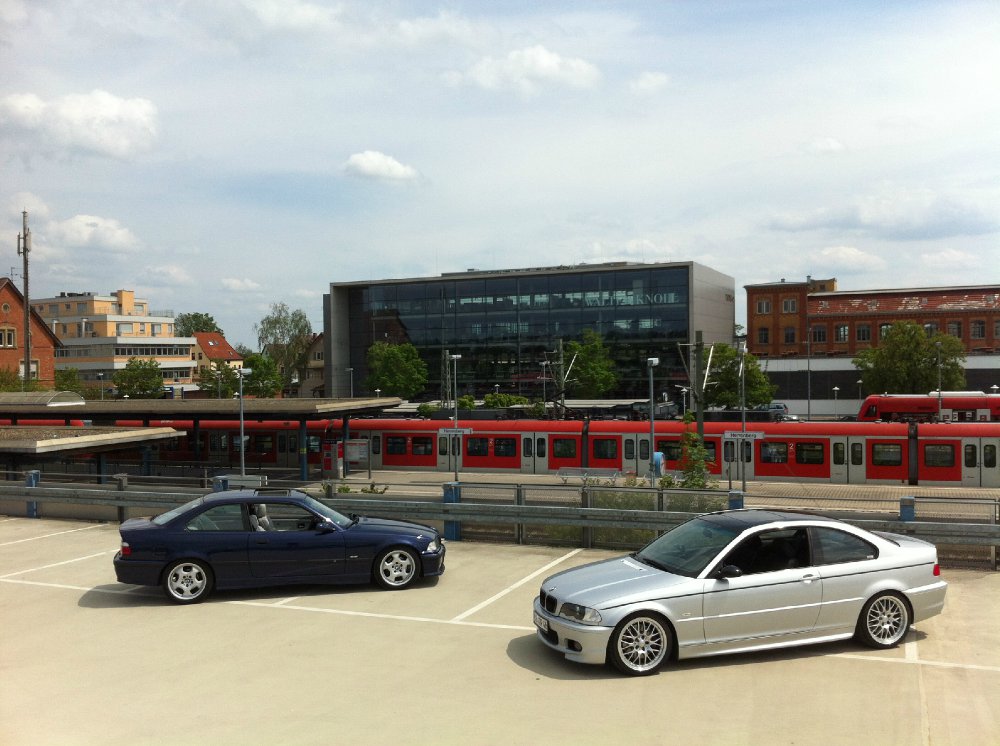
x: 68, y: 379
x: 502, y: 401
x: 907, y: 361
x: 396, y: 369
x: 220, y: 380
x: 467, y: 401
x: 186, y: 324
x: 724, y: 379
x: 264, y: 380
x: 139, y: 379
x: 285, y: 336
x: 591, y: 369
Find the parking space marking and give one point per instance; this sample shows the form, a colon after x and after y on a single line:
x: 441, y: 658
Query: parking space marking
x: 46, y: 536
x: 906, y: 661
x: 57, y: 564
x: 515, y: 586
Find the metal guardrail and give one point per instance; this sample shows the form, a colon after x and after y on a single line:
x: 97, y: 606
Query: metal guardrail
x: 589, y: 519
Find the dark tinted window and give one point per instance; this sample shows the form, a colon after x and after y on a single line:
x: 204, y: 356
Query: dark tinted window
x: 939, y: 454
x: 809, y: 453
x: 423, y: 445
x: 887, y: 454
x: 476, y: 447
x: 395, y: 445
x: 833, y: 546
x: 563, y: 448
x: 774, y: 453
x: 605, y: 448
x: 505, y: 447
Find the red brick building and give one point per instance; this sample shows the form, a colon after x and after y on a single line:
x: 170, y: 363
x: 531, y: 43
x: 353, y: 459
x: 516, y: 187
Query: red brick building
x: 43, y: 340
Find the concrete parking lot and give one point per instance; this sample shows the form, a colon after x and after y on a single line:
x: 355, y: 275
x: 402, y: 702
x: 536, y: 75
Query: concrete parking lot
x: 86, y: 660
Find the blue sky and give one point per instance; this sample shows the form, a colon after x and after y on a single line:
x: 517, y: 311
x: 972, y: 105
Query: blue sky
x: 223, y: 155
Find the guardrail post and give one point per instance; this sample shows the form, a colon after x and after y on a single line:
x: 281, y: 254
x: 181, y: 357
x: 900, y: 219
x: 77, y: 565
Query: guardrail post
x: 735, y: 500
x: 31, y: 479
x: 519, y: 500
x: 907, y: 508
x: 452, y: 494
x: 122, y: 480
x: 588, y: 534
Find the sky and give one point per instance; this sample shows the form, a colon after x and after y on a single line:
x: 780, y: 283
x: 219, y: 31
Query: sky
x: 221, y: 156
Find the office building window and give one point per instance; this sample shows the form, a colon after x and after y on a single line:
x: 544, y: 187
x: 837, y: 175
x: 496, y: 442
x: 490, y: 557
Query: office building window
x: 841, y: 333
x: 764, y: 306
x: 789, y: 305
x: 819, y: 333
x: 977, y: 329
x: 8, y: 337
x: 863, y: 333
x: 955, y: 328
x: 789, y: 335
x: 764, y: 335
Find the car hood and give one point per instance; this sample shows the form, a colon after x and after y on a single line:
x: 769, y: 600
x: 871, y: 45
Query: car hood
x: 615, y: 582
x: 386, y: 525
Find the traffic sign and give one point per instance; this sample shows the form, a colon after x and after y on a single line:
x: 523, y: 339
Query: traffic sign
x: 743, y: 435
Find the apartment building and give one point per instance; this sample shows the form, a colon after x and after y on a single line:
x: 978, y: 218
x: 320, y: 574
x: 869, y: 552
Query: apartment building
x: 212, y: 348
x: 99, y: 333
x: 43, y: 342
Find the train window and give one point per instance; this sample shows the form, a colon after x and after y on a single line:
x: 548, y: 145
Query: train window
x: 809, y: 453
x: 218, y: 442
x: 293, y: 444
x: 505, y: 447
x: 423, y: 445
x: 887, y: 454
x: 839, y: 454
x: 857, y: 454
x: 526, y: 449
x: 540, y: 448
x: 643, y: 449
x: 833, y: 546
x: 630, y: 449
x: 710, y: 454
x: 605, y: 448
x: 990, y: 457
x: 395, y: 445
x: 282, y: 443
x: 264, y: 443
x: 563, y: 448
x: 443, y: 446
x: 971, y: 456
x: 477, y: 446
x: 671, y: 449
x: 376, y: 444
x: 773, y: 453
x: 939, y: 454
x: 728, y: 451
x: 747, y: 451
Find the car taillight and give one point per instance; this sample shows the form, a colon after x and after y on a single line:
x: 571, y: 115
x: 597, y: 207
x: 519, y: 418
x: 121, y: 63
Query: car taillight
x: 126, y: 549
x: 937, y: 570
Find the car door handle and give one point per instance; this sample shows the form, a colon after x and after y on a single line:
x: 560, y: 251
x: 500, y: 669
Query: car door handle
x: 810, y: 577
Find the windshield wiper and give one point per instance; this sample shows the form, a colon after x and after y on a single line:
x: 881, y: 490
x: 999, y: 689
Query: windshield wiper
x: 651, y: 562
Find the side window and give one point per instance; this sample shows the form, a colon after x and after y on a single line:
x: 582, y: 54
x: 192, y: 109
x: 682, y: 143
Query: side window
x: 630, y: 449
x: 809, y: 453
x: 540, y: 448
x: 219, y: 518
x: 476, y: 446
x: 285, y: 517
x: 563, y: 448
x: 526, y: 449
x: 839, y: 454
x: 971, y: 457
x: 769, y: 551
x: 833, y: 546
x: 505, y: 447
x: 939, y: 455
x: 643, y: 449
x: 395, y: 445
x: 423, y: 445
x: 443, y: 446
x: 887, y: 454
x: 990, y: 456
x: 773, y: 453
x: 671, y: 449
x: 605, y: 448
x: 857, y: 454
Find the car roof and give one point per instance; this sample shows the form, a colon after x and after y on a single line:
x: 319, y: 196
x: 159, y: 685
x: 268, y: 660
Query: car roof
x: 252, y: 495
x: 750, y: 517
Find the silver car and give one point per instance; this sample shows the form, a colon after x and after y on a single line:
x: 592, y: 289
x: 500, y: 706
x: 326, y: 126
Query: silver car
x: 737, y: 581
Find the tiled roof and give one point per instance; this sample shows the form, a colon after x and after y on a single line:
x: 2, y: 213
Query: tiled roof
x: 906, y: 301
x: 215, y: 346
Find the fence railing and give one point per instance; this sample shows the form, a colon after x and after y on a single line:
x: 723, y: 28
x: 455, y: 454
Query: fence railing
x: 580, y: 516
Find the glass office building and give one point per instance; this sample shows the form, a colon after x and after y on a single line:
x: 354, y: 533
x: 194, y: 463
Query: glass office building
x: 510, y: 325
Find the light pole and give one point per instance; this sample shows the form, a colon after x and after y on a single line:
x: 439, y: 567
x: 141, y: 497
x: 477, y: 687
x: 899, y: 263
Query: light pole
x: 350, y: 372
x: 652, y: 362
x: 994, y: 388
x: 241, y: 372
x: 100, y: 382
x: 378, y: 393
x: 938, y: 346
x: 455, y: 438
x: 836, y: 390
x: 860, y: 397
x: 743, y: 416
x: 496, y: 389
x: 545, y: 404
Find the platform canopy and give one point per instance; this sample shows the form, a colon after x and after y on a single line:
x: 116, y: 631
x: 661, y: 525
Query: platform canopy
x: 41, y: 399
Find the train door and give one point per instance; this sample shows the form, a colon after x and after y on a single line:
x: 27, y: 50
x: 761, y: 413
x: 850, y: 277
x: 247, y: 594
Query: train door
x: 847, y: 460
x: 534, y: 453
x: 979, y: 462
x: 449, y: 452
x: 635, y: 459
x: 737, y: 459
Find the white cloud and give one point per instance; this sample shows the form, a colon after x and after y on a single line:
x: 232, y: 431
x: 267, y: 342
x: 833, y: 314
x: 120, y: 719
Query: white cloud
x: 90, y: 231
x: 528, y: 70
x: 96, y: 122
x: 648, y: 83
x: 291, y: 14
x: 167, y: 275
x: 951, y: 259
x: 846, y: 260
x: 826, y: 146
x: 375, y: 165
x: 239, y: 285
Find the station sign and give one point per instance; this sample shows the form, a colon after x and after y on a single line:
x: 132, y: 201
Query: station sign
x: 455, y: 431
x: 743, y: 435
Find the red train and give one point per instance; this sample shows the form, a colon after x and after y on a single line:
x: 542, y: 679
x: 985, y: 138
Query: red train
x: 952, y: 454
x: 951, y: 406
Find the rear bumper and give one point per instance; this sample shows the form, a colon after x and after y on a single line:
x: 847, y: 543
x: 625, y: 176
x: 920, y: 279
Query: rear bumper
x: 928, y: 600
x: 137, y: 572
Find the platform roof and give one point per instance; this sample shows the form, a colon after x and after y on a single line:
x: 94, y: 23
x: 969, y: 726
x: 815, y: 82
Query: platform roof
x: 63, y: 440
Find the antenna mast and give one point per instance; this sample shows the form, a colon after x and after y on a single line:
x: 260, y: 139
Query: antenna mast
x: 23, y: 249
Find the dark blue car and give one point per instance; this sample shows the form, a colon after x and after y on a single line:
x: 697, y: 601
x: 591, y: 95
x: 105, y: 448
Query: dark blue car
x: 252, y: 538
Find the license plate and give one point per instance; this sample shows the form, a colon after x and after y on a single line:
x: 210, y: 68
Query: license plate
x: 541, y: 622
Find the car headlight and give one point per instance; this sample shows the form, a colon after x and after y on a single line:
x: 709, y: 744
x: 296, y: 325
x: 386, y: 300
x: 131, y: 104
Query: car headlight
x: 579, y: 613
x: 433, y: 546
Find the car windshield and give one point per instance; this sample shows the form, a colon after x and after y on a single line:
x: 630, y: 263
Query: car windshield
x: 327, y: 512
x: 165, y: 518
x: 688, y: 548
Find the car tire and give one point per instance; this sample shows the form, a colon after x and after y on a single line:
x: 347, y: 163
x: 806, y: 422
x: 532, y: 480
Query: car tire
x: 188, y: 581
x: 396, y: 568
x: 884, y: 621
x: 640, y: 644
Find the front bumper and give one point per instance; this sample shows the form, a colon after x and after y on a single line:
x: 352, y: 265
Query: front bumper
x: 433, y: 562
x: 583, y: 643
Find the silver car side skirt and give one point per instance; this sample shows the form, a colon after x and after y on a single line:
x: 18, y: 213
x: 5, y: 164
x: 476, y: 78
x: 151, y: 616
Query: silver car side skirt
x: 762, y: 643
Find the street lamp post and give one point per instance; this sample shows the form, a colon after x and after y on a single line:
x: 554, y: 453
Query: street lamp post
x: 652, y: 362
x: 743, y: 416
x: 455, y: 438
x: 938, y: 346
x: 350, y: 372
x: 836, y: 390
x: 860, y: 397
x: 545, y: 404
x: 100, y: 382
x: 241, y: 372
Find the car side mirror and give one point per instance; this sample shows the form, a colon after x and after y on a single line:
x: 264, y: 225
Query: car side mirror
x: 728, y: 571
x: 325, y: 527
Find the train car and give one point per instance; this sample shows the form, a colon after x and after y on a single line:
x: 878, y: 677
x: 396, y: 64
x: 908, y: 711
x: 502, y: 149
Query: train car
x: 950, y: 406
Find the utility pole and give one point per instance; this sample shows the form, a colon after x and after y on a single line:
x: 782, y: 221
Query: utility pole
x: 23, y: 249
x: 698, y: 385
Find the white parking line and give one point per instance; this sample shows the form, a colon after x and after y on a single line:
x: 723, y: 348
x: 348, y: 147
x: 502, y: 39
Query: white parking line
x: 57, y: 564
x: 46, y: 536
x: 516, y: 585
